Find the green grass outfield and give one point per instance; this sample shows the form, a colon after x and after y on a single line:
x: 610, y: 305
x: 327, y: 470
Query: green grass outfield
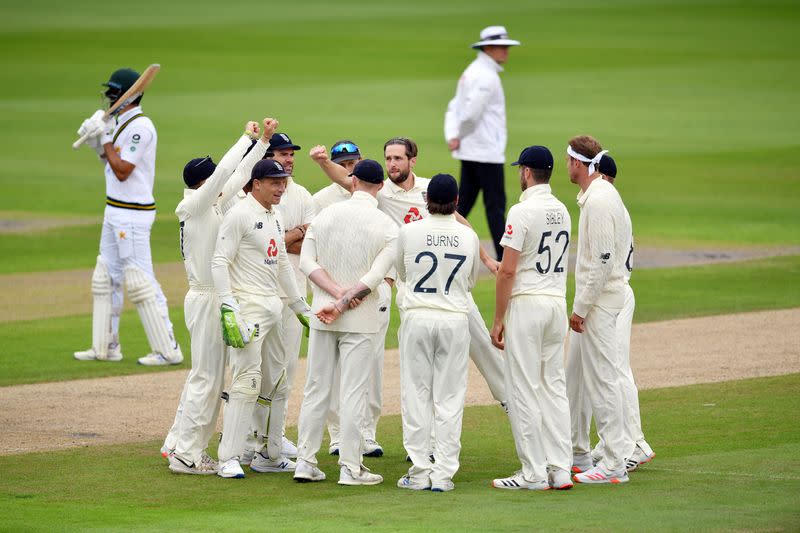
x: 660, y: 294
x: 697, y: 100
x: 727, y: 459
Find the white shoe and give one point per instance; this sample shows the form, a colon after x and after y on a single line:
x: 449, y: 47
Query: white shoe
x: 518, y: 481
x: 262, y: 463
x: 288, y: 448
x: 443, y: 486
x: 305, y: 471
x: 179, y: 466
x: 156, y: 359
x: 559, y: 479
x: 114, y: 354
x: 598, y: 474
x: 372, y: 448
x: 231, y: 469
x: 333, y: 449
x: 247, y: 457
x: 364, y: 477
x: 641, y: 454
x: 581, y: 463
x: 406, y: 482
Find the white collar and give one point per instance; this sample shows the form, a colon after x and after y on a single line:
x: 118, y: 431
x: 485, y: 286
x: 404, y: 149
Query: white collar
x: 536, y: 190
x: 128, y: 114
x: 487, y: 60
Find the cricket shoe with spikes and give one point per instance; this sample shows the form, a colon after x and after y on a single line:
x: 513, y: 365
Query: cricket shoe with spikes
x: 599, y: 475
x: 518, y: 482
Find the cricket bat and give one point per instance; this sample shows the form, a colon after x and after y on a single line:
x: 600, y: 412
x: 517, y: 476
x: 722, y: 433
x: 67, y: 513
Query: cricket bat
x: 129, y: 96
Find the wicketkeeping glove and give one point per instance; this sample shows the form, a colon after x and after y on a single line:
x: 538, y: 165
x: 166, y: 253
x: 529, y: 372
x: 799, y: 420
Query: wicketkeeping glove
x: 302, y: 311
x: 235, y: 331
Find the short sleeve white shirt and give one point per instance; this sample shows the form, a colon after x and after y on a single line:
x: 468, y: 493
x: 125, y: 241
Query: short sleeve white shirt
x: 136, y: 144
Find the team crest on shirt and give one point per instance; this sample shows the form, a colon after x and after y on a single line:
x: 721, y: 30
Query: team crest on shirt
x: 122, y: 235
x: 509, y: 230
x: 412, y: 215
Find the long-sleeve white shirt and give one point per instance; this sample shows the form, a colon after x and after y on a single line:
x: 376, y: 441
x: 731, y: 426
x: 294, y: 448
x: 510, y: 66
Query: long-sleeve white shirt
x: 200, y: 212
x: 438, y: 258
x: 250, y: 255
x: 604, y: 235
x: 296, y: 209
x: 539, y: 228
x: 353, y: 242
x: 477, y: 114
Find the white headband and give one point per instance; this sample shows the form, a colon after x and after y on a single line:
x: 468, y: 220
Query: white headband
x: 592, y: 162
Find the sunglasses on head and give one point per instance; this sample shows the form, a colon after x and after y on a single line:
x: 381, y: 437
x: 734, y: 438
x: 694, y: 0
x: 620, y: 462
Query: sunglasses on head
x: 344, y: 148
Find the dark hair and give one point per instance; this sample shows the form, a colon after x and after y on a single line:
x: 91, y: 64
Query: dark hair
x: 541, y: 175
x: 411, y: 146
x: 442, y: 209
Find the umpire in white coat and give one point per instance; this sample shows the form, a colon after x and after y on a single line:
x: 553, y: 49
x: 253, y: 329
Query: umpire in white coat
x: 475, y: 130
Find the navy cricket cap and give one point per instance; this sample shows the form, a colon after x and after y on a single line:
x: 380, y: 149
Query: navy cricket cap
x: 442, y: 189
x: 281, y: 141
x: 368, y: 170
x: 268, y: 168
x: 607, y: 166
x: 535, y: 157
x: 344, y: 151
x: 197, y: 170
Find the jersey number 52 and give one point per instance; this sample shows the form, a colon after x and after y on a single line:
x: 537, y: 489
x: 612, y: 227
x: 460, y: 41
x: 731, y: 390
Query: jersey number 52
x: 545, y: 248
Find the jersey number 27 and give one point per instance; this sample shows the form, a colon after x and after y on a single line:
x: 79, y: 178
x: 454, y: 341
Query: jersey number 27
x: 459, y: 260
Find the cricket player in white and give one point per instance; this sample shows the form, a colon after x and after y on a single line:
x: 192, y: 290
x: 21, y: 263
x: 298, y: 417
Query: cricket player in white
x: 209, y: 189
x: 349, y: 248
x: 639, y: 451
x: 403, y: 198
x: 530, y: 323
x: 248, y: 266
x: 603, y: 238
x: 438, y: 260
x: 127, y: 146
x: 297, y: 211
x: 346, y: 154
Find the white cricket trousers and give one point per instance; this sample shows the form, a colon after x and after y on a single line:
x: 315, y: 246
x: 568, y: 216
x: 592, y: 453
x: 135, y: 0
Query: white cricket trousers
x: 353, y: 353
x: 594, y: 364
x: 375, y: 387
x: 263, y: 313
x: 579, y: 401
x: 487, y: 358
x: 433, y: 384
x: 125, y: 239
x: 535, y: 330
x: 278, y: 366
x: 196, y: 417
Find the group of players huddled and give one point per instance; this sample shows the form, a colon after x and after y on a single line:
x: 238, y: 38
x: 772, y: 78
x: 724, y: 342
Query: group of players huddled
x: 252, y: 238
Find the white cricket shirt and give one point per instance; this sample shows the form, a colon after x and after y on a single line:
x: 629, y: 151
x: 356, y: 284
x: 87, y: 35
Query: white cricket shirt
x: 136, y: 145
x: 200, y: 214
x: 352, y: 241
x: 250, y: 255
x: 332, y: 194
x: 296, y: 209
x: 604, y: 235
x: 538, y: 227
x: 404, y: 206
x: 438, y: 259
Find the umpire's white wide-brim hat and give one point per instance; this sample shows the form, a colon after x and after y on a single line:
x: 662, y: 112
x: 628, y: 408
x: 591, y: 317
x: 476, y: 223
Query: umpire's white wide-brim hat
x: 495, y: 35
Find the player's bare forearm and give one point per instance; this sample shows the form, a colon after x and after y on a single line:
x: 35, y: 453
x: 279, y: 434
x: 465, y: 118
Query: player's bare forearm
x: 122, y: 169
x: 336, y: 173
x: 295, y: 236
x: 324, y: 281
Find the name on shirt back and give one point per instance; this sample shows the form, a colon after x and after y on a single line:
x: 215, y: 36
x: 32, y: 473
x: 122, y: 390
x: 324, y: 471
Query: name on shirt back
x: 442, y: 240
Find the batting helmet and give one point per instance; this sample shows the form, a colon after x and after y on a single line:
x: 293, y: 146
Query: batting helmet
x: 119, y: 82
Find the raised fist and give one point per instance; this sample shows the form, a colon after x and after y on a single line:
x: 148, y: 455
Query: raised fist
x: 319, y: 153
x: 270, y: 125
x: 251, y: 129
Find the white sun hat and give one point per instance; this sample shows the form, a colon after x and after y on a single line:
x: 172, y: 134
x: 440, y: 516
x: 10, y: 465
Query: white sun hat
x: 495, y: 35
